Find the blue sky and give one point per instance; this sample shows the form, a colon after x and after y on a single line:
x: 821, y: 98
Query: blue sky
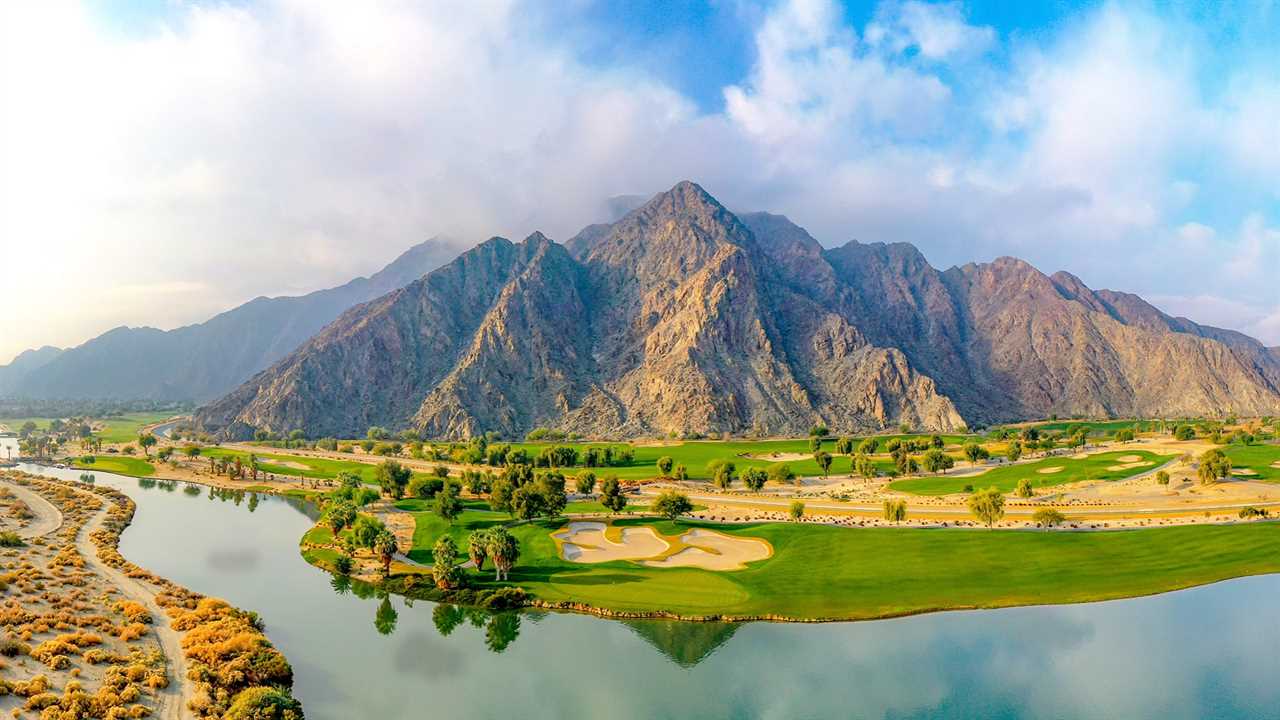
x: 279, y: 146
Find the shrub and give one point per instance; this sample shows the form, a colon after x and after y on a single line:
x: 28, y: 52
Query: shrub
x: 1252, y: 512
x: 10, y: 540
x: 264, y: 703
x: 1162, y: 478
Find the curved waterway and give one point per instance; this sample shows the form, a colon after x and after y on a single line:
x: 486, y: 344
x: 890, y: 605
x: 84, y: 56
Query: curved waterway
x: 1209, y: 652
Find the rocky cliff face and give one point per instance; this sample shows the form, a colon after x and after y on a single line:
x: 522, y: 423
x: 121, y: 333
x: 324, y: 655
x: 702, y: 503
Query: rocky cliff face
x: 683, y: 317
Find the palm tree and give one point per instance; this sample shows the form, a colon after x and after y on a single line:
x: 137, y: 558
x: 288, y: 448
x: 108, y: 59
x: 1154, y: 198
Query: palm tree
x: 384, y: 545
x: 504, y: 549
x: 478, y: 548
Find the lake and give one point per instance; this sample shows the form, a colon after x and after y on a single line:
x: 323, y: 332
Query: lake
x: 1208, y: 652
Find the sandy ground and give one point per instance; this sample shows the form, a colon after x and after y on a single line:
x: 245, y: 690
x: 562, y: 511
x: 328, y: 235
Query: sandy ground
x: 47, y: 517
x: 103, y: 584
x: 589, y: 542
x: 711, y: 550
x: 1051, y: 470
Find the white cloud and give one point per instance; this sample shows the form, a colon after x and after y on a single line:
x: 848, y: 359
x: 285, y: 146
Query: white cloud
x: 937, y: 31
x: 236, y: 151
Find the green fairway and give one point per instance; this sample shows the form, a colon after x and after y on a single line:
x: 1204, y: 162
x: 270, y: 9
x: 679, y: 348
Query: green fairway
x: 125, y: 428
x: 1263, y: 460
x: 15, y: 423
x: 119, y: 464
x: 826, y: 572
x: 1094, y: 467
x: 695, y: 455
x: 308, y: 467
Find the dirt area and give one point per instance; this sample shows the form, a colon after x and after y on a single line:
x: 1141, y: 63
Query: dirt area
x: 1051, y: 470
x: 75, y: 625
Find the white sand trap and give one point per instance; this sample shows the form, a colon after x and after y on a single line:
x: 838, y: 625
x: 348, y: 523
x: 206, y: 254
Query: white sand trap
x: 286, y: 463
x: 585, y: 542
x: 1276, y: 464
x: 1247, y: 472
x: 1129, y: 465
x: 1129, y: 458
x: 711, y: 550
x: 1051, y: 470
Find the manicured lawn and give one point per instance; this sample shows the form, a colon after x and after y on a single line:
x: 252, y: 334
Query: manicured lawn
x: 1258, y: 458
x: 311, y: 467
x: 1094, y: 467
x: 15, y: 423
x: 829, y: 572
x: 120, y: 464
x: 125, y: 428
x: 695, y: 455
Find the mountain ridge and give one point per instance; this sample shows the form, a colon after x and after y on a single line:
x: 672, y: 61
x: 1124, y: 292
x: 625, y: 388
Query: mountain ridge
x: 205, y: 360
x: 682, y: 317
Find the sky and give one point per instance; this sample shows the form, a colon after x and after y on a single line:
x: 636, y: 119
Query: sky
x: 162, y: 161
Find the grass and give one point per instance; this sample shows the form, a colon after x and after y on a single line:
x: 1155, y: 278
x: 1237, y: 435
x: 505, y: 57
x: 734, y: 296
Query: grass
x: 1258, y: 458
x: 116, y: 429
x: 119, y: 464
x: 1094, y: 467
x: 316, y: 468
x: 824, y: 572
x: 695, y: 455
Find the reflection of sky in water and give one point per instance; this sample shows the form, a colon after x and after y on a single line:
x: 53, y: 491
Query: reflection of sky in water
x: 8, y: 448
x: 1206, y: 652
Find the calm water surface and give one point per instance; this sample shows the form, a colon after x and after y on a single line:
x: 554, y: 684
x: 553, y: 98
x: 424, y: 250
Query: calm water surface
x: 1211, y: 652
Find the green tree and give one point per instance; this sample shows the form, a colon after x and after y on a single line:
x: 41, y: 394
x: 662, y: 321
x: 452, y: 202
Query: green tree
x: 824, y: 461
x: 338, y: 516
x: 1014, y: 450
x: 444, y: 563
x: 895, y: 511
x: 1162, y: 478
x: 681, y: 473
x: 665, y: 464
x: 672, y: 504
x: 935, y: 441
x: 1024, y: 489
x: 478, y: 548
x: 528, y: 502
x: 261, y: 702
x: 780, y: 473
x: 987, y: 505
x: 1214, y: 466
x: 865, y: 466
x: 974, y: 452
x: 797, y: 510
x: 844, y: 446
x: 392, y: 477
x: 611, y: 495
x: 723, y: 477
x: 365, y: 530
x: 146, y: 441
x: 504, y: 550
x: 937, y: 461
x: 815, y: 444
x: 384, y: 546
x: 869, y: 446
x: 447, y: 504
x: 1125, y: 435
x: 585, y: 483
x: 1048, y: 517
x: 754, y: 478
x: 819, y: 431
x: 377, y: 433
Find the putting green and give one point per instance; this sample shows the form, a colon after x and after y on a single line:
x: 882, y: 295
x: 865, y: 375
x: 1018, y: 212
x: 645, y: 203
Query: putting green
x: 1114, y: 465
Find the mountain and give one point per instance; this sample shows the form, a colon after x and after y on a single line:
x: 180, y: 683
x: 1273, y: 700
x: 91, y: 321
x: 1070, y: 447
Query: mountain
x: 24, y: 364
x: 682, y: 317
x: 204, y: 361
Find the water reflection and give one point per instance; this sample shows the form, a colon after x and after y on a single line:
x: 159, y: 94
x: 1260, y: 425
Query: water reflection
x: 1206, y: 652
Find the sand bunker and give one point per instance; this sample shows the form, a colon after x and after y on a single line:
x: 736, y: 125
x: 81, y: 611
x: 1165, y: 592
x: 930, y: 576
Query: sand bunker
x: 1129, y: 465
x: 1244, y: 472
x: 1276, y: 464
x: 1051, y: 470
x: 1128, y: 458
x: 586, y: 542
x: 711, y: 550
x: 589, y: 542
